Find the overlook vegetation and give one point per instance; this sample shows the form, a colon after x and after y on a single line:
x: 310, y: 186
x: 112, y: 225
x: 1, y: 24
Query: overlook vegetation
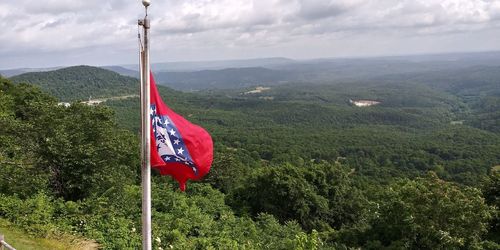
x: 301, y: 170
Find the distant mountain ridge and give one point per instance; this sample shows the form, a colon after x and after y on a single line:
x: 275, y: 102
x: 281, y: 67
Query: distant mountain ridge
x: 235, y: 74
x: 122, y: 71
x: 230, y: 78
x: 14, y: 72
x: 81, y: 83
x: 215, y: 65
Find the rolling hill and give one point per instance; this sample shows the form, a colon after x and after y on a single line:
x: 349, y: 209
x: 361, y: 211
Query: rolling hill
x: 81, y: 82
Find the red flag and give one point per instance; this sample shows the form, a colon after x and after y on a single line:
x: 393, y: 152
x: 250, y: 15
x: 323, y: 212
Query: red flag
x: 178, y: 147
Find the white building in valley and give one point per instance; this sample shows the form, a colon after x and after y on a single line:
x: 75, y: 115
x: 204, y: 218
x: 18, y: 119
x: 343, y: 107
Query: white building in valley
x: 363, y: 103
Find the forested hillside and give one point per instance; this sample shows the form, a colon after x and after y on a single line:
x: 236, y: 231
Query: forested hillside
x: 296, y: 166
x: 412, y: 131
x: 80, y: 83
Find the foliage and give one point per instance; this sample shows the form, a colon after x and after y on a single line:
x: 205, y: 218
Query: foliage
x: 75, y: 145
x: 491, y: 191
x: 428, y: 213
x: 18, y: 105
x: 300, y: 170
x: 66, y: 148
x: 86, y: 172
x: 318, y: 196
x: 406, y: 136
x: 34, y: 214
x: 17, y: 237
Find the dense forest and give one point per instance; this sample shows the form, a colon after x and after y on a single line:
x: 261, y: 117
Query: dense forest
x: 295, y: 167
x: 80, y: 83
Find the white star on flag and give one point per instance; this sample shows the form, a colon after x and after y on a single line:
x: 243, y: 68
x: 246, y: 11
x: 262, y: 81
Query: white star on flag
x: 180, y: 151
x: 172, y: 132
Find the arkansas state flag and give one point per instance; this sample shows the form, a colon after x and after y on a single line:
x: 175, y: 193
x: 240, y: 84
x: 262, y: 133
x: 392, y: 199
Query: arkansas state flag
x: 178, y: 147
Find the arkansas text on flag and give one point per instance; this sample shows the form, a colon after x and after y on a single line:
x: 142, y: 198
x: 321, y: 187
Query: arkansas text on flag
x: 178, y: 147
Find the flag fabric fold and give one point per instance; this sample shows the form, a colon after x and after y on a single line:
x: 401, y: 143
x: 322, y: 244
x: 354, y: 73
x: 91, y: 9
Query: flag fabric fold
x: 178, y: 148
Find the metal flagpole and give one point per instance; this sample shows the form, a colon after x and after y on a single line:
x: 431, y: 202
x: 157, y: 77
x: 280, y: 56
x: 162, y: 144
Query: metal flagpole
x: 145, y: 134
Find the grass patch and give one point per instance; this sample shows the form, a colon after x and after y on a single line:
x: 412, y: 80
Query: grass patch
x: 20, y: 240
x: 495, y: 168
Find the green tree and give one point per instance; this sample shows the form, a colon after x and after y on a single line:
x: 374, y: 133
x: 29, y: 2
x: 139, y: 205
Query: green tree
x: 19, y: 105
x: 428, y: 213
x: 491, y: 191
x: 84, y: 151
x: 318, y: 196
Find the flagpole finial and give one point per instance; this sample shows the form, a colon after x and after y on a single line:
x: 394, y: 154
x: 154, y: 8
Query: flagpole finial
x: 146, y: 3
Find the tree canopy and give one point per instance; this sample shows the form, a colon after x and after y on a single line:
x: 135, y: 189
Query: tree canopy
x: 301, y: 171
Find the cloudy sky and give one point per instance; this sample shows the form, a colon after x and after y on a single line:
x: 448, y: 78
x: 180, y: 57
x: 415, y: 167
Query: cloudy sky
x: 47, y: 33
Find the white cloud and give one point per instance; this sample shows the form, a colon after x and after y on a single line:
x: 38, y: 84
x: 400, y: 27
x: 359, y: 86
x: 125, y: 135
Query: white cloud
x: 204, y: 29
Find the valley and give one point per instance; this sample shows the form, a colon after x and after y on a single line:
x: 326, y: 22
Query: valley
x: 292, y: 157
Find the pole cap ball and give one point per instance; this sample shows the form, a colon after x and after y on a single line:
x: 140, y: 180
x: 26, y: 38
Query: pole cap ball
x: 146, y: 3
